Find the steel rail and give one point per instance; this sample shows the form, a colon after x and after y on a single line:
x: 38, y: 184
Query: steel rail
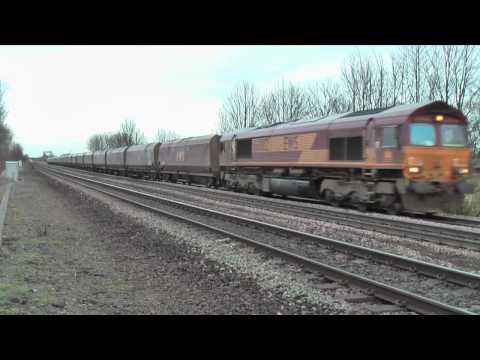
x: 453, y: 275
x: 412, y: 301
x: 382, y: 291
x: 424, y: 232
x: 463, y: 221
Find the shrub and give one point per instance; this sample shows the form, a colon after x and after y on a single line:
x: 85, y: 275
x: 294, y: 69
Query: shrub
x: 471, y: 205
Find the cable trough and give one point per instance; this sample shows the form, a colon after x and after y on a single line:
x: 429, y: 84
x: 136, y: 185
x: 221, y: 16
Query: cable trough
x: 415, y: 285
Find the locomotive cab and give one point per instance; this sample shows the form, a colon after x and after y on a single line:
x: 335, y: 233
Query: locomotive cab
x: 436, y: 162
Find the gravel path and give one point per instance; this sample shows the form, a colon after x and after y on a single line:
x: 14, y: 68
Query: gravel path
x: 66, y: 252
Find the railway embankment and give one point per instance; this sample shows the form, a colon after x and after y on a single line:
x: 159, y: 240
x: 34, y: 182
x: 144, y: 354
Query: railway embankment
x: 65, y: 252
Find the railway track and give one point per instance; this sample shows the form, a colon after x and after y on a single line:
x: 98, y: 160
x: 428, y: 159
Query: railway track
x: 415, y: 285
x: 469, y: 221
x: 439, y: 234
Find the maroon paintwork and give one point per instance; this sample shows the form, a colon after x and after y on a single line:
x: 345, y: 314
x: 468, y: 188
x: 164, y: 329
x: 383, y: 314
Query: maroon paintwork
x: 368, y: 126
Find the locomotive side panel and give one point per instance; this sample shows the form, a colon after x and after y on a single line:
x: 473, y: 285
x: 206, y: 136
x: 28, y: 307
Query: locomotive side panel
x: 341, y: 145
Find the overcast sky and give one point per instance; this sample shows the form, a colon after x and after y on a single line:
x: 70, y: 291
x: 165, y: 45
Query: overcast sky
x: 57, y: 96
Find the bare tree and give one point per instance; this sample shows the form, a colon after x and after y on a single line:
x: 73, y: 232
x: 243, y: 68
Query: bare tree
x: 381, y: 88
x: 466, y: 78
x: 97, y: 142
x: 163, y: 136
x: 415, y: 58
x: 240, y: 109
x: 398, y: 78
x: 115, y: 140
x: 286, y: 103
x: 6, y: 135
x: 358, y: 78
x: 474, y: 125
x: 129, y: 134
x: 432, y: 73
x: 3, y: 110
x: 16, y: 152
x: 365, y: 73
x: 413, y: 74
x: 325, y: 98
x: 349, y: 76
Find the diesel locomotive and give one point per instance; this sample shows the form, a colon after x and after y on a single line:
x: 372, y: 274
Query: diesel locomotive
x: 411, y: 158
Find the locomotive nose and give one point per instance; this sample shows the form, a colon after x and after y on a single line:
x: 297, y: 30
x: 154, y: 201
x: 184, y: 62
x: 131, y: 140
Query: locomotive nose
x: 438, y: 164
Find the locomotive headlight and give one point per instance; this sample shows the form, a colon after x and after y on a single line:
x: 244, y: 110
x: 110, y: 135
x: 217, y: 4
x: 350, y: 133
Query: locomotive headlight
x: 414, y: 165
x: 463, y: 171
x: 460, y: 167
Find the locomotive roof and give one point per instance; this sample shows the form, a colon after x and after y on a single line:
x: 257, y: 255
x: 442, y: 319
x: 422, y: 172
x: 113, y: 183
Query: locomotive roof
x: 352, y: 119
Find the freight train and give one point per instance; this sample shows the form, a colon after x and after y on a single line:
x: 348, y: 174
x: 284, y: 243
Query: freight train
x: 412, y: 158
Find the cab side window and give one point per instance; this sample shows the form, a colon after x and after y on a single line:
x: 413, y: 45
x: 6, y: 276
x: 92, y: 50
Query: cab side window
x: 389, y: 136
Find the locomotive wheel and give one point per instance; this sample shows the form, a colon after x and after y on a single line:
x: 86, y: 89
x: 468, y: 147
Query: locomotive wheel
x: 357, y: 203
x: 394, y: 209
x: 330, y: 197
x: 361, y: 207
x: 253, y: 190
x: 393, y: 206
